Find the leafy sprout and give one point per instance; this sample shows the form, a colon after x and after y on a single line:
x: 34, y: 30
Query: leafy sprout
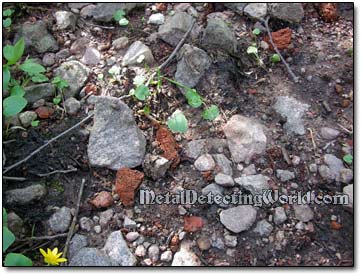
x: 177, y: 122
x: 275, y: 58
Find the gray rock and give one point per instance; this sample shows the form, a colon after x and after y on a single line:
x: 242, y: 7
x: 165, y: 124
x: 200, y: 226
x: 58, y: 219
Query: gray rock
x: 79, y: 46
x: 195, y: 148
x: 86, y: 224
x: 231, y: 241
x: 185, y: 257
x: 329, y: 133
x: 97, y: 229
x: 236, y: 7
x: 105, y: 217
x: 34, y: 93
x: 12, y: 121
x: 132, y: 236
x: 77, y: 243
x: 62, y: 54
x: 134, y: 55
x: 290, y: 12
x: 116, y: 248
x: 331, y: 170
x: 348, y: 190
x: 154, y: 253
x: 87, y: 11
x: 245, y: 138
x: 155, y: 166
x: 120, y: 43
x: 295, y: 161
x: 263, y: 228
x: 326, y: 173
x: 293, y: 111
x: 166, y: 256
x: 192, y: 65
x: 38, y: 103
x: 212, y: 188
x: 27, y: 117
x: 65, y: 20
x: 300, y: 226
x: 256, y: 10
x: 128, y: 223
x: 103, y: 12
x: 27, y: 195
x: 91, y: 56
x: 223, y: 164
x: 345, y: 175
x: 250, y: 170
x: 15, y: 224
x: 218, y: 36
x: 238, y: 219
x: 59, y: 222
x: 285, y: 175
x: 37, y: 37
x: 88, y: 256
x: 115, y: 140
x: 313, y: 168
x: 48, y: 59
x: 75, y: 73
x: 78, y: 5
x: 204, y: 163
x: 303, y: 212
x: 175, y: 28
x: 255, y: 184
x: 72, y: 106
x: 156, y: 19
x: 224, y: 180
x: 279, y: 215
x: 140, y: 251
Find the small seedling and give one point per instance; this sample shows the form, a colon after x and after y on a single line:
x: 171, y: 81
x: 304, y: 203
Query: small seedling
x: 177, y: 122
x: 210, y: 113
x: 275, y: 58
x: 119, y: 17
x: 7, y: 14
x: 35, y: 123
x: 348, y: 159
x: 256, y: 31
x: 61, y: 84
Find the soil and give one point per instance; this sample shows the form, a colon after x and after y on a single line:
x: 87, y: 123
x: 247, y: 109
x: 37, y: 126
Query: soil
x: 319, y: 49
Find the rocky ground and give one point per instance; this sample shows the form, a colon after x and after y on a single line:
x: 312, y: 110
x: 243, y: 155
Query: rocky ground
x: 272, y: 133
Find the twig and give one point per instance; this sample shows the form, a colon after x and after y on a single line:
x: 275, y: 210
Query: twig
x: 7, y: 169
x: 312, y: 138
x: 95, y: 25
x: 265, y: 21
x: 14, y: 178
x: 57, y: 171
x: 72, y: 226
x: 52, y: 237
x: 345, y: 129
x: 286, y: 156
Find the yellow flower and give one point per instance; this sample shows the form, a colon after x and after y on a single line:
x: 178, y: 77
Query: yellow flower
x: 51, y: 257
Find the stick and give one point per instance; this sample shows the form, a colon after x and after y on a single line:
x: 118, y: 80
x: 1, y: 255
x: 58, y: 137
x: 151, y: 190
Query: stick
x: 44, y: 237
x: 14, y: 178
x: 72, y: 226
x: 7, y: 169
x: 57, y: 171
x: 345, y: 129
x: 94, y: 25
x: 312, y: 138
x: 265, y: 21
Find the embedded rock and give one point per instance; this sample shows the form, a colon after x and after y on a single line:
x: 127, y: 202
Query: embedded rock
x: 137, y: 54
x: 254, y: 183
x: 290, y: 12
x: 27, y: 195
x: 238, y: 219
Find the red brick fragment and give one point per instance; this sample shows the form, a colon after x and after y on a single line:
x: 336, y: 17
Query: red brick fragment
x: 168, y: 145
x: 127, y: 182
x: 103, y: 199
x: 44, y: 112
x: 193, y: 224
x: 281, y: 38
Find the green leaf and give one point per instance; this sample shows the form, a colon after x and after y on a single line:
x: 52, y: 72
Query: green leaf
x: 7, y: 22
x: 193, y: 98
x: 6, y: 77
x: 256, y: 31
x: 14, y: 53
x: 5, y: 218
x: 13, y: 105
x: 119, y: 14
x: 348, y: 159
x: 142, y: 92
x: 275, y: 58
x: 39, y: 78
x: 17, y: 91
x: 147, y: 110
x: 139, y: 80
x: 57, y: 100
x: 16, y: 259
x: 211, y: 113
x: 60, y: 82
x: 114, y: 70
x: 8, y: 12
x: 35, y: 123
x: 123, y: 22
x: 177, y: 122
x: 32, y: 68
x: 8, y: 238
x: 252, y: 50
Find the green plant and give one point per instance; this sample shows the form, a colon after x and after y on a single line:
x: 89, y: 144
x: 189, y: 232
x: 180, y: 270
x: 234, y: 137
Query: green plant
x: 60, y: 84
x: 7, y: 14
x: 348, y: 159
x: 253, y: 48
x: 275, y: 58
x: 12, y: 259
x: 119, y: 17
x: 177, y: 122
x: 35, y: 123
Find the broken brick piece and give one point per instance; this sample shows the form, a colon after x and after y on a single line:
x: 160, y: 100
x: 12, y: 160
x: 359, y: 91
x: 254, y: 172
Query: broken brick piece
x: 193, y: 224
x: 168, y: 145
x: 281, y: 38
x: 44, y: 112
x: 127, y: 182
x: 328, y: 11
x: 103, y: 199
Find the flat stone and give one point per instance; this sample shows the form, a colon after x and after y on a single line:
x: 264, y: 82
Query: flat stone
x: 137, y: 54
x: 115, y: 140
x: 166, y: 256
x: 116, y: 248
x: 331, y: 170
x: 156, y: 166
x: 205, y: 163
x: 27, y: 117
x: 140, y: 251
x: 120, y: 43
x: 256, y: 10
x: 224, y: 180
x: 65, y: 20
x: 346, y: 175
x: 128, y: 223
x: 156, y: 19
x: 263, y: 228
x: 86, y: 224
x: 329, y: 133
x: 231, y: 241
x: 212, y: 188
x: 105, y: 217
x: 87, y: 11
x: 303, y: 212
x: 290, y: 12
x: 88, y: 256
x: 185, y: 257
x: 79, y: 46
x: 91, y: 56
x: 223, y: 164
x: 236, y: 7
x: 78, y: 5
x: 59, y: 222
x: 132, y: 236
x: 285, y: 175
x: 16, y: 224
x: 72, y: 106
x: 37, y: 92
x: 238, y: 219
x: 154, y: 253
x: 77, y: 243
x: 48, y: 59
x: 75, y: 73
x: 255, y: 184
x: 195, y: 148
x: 293, y: 111
x: 103, y: 12
x: 24, y: 196
x: 279, y: 215
x: 248, y: 171
x: 62, y: 54
x: 245, y: 138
